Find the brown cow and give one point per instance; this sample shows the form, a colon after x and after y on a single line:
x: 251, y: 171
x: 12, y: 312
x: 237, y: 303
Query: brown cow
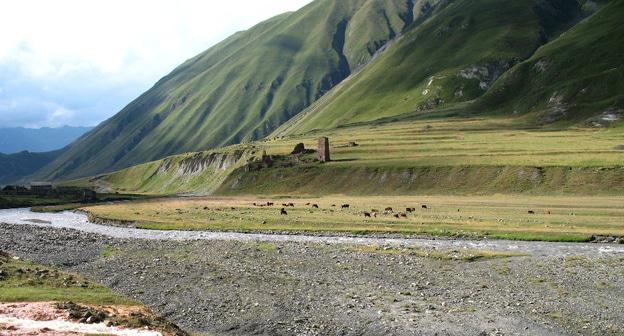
x: 404, y: 215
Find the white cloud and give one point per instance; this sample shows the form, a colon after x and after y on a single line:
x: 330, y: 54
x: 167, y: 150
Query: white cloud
x: 96, y: 48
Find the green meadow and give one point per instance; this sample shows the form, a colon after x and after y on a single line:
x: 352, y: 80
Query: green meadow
x: 554, y: 218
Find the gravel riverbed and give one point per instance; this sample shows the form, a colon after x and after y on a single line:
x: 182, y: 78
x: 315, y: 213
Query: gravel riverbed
x: 315, y: 287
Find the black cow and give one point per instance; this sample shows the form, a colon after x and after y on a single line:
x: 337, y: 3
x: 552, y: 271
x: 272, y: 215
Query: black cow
x: 315, y: 206
x: 345, y: 206
x: 424, y: 206
x: 367, y: 215
x: 284, y: 212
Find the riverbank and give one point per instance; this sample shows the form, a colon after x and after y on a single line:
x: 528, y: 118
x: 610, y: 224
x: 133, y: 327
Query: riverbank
x: 43, y: 300
x: 234, y: 287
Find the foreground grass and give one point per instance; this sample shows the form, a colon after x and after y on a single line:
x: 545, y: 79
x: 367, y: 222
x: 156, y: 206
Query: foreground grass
x: 24, y: 281
x: 573, y: 219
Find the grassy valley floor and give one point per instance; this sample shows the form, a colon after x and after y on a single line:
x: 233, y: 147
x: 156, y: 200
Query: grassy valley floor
x: 550, y: 218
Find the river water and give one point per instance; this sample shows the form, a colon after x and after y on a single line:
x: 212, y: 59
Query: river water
x: 79, y: 221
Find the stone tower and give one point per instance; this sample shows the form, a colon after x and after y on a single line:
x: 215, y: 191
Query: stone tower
x: 323, y: 149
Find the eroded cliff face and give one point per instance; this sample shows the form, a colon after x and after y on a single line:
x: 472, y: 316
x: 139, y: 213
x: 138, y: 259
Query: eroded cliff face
x: 199, y: 173
x: 199, y: 163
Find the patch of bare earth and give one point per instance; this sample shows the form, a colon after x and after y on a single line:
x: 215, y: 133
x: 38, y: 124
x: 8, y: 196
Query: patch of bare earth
x: 54, y: 319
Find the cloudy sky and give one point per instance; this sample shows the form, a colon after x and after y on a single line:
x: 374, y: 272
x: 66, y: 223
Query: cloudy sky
x: 76, y: 62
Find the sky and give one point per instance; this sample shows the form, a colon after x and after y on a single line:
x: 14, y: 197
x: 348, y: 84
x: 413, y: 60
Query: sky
x: 77, y: 62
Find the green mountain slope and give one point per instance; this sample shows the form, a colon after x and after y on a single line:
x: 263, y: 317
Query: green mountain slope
x: 244, y: 87
x: 577, y: 77
x: 460, y: 53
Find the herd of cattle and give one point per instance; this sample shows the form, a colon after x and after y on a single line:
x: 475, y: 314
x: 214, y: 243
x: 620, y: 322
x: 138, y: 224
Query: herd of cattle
x: 389, y: 211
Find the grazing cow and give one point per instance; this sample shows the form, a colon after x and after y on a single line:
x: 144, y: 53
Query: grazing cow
x: 345, y: 206
x: 284, y: 204
x: 333, y: 205
x: 404, y: 215
x: 292, y: 205
x: 531, y: 212
x: 424, y: 206
x: 270, y: 204
x: 308, y: 203
x: 388, y: 209
x: 396, y: 216
x: 410, y: 209
x: 367, y: 215
x: 315, y: 206
x: 284, y: 212
x: 205, y: 208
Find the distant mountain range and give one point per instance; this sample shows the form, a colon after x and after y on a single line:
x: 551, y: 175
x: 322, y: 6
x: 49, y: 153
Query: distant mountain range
x: 19, y: 139
x: 336, y: 63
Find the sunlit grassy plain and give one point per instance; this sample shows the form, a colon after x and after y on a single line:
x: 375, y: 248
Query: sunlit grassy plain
x: 443, y: 152
x: 474, y: 141
x: 556, y: 218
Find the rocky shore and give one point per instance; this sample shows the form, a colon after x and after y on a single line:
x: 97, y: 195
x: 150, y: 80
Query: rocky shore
x: 225, y: 287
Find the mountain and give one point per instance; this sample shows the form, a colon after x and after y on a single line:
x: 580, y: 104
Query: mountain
x: 244, y: 87
x: 15, y: 167
x: 18, y: 139
x: 578, y: 77
x: 337, y: 63
x: 481, y: 50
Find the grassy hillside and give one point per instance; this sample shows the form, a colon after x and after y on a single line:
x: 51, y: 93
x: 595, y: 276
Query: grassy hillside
x: 244, y: 87
x: 201, y: 172
x: 461, y: 53
x: 577, y: 77
x: 452, y: 156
